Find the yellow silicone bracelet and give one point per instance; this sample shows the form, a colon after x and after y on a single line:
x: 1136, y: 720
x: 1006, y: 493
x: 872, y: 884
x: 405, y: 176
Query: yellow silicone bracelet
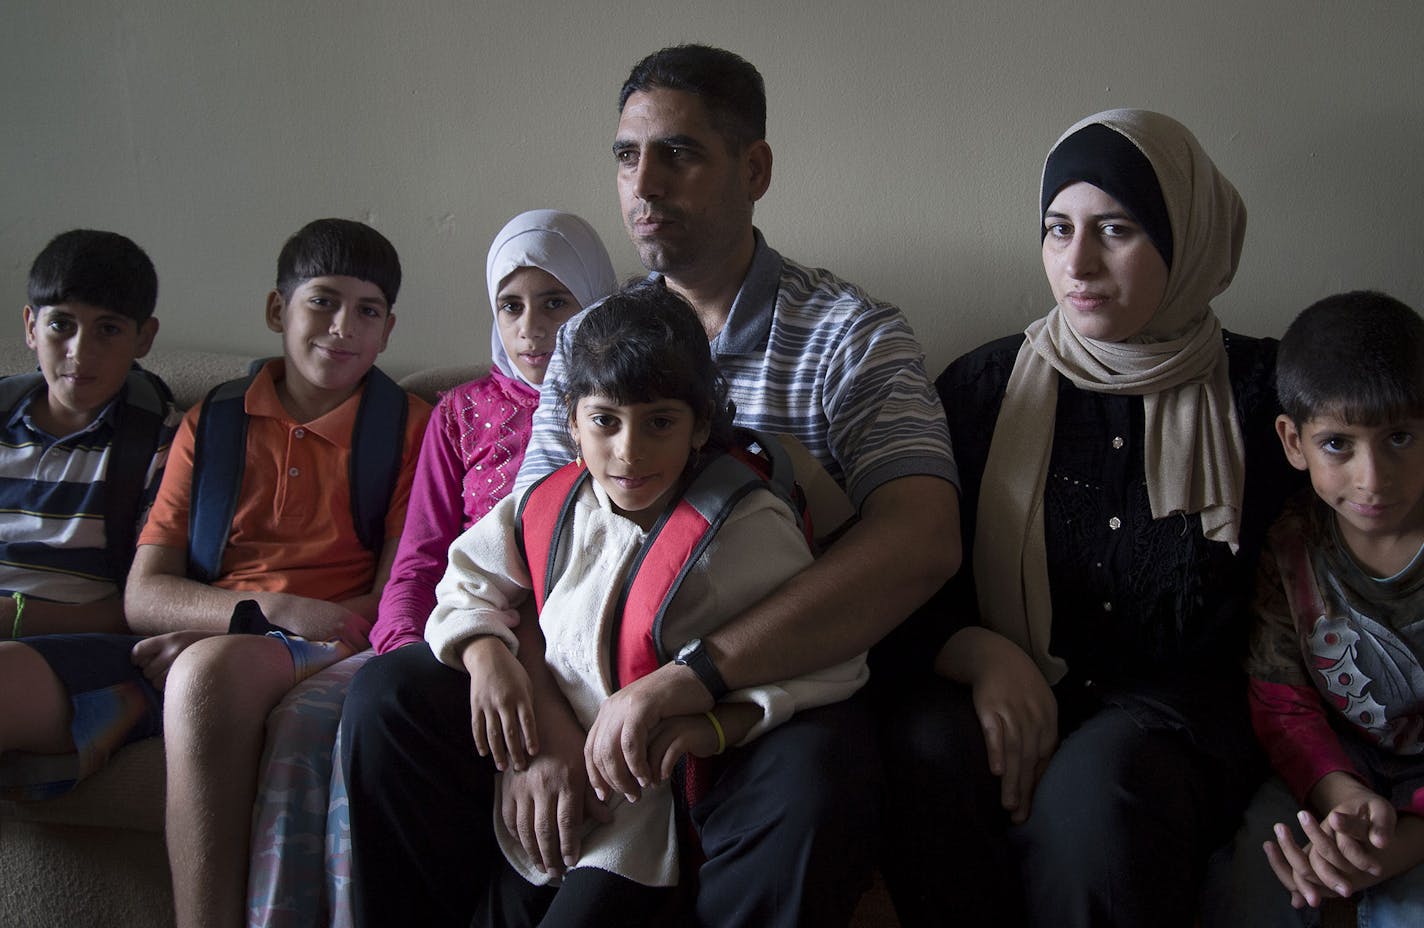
x: 19, y: 599
x: 721, y: 735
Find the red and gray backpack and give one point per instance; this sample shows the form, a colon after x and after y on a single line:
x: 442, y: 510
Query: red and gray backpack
x: 671, y: 547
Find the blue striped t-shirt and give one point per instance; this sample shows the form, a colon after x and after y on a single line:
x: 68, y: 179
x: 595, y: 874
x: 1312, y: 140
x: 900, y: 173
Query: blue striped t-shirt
x: 809, y: 355
x: 52, y: 503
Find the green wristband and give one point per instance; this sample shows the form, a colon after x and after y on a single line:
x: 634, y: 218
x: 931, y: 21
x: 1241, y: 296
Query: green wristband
x: 19, y: 599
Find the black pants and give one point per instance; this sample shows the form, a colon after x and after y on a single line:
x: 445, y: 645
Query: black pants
x: 788, y: 829
x: 588, y: 896
x: 1120, y: 829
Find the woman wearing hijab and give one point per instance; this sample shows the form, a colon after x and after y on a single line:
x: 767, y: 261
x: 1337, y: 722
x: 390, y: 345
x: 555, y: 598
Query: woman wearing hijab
x: 542, y: 268
x: 1092, y: 745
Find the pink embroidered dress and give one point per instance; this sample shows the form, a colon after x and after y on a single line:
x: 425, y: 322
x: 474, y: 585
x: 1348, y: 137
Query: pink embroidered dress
x: 472, y: 451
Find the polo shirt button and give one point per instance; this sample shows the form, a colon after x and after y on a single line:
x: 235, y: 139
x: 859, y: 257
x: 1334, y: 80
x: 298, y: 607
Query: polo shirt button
x: 1114, y: 523
x: 1117, y: 442
x: 1107, y: 607
x: 294, y: 472
x: 300, y: 433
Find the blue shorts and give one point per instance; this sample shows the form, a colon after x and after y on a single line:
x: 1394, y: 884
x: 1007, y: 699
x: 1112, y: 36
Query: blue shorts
x: 113, y: 704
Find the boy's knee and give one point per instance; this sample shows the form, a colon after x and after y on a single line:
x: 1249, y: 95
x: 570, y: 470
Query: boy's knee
x: 226, y: 680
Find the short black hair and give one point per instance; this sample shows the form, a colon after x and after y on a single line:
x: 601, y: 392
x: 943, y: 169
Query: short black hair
x: 99, y: 268
x: 339, y: 248
x: 645, y: 343
x: 729, y: 86
x: 1356, y: 355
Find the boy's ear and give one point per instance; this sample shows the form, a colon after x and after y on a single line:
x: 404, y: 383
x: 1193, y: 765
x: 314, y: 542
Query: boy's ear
x: 146, y: 332
x: 701, y: 434
x: 1290, y: 442
x: 32, y: 316
x: 275, y: 307
x: 386, y: 335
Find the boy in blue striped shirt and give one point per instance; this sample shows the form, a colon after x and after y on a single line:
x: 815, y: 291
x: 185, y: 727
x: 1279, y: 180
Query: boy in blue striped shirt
x: 82, y: 447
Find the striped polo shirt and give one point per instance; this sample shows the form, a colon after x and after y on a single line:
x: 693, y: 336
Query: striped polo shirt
x: 52, y: 503
x: 809, y: 355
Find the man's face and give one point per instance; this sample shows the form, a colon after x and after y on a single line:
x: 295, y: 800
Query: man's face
x: 686, y: 196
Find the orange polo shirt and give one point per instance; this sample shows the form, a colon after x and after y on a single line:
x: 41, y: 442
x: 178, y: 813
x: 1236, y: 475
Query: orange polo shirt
x: 292, y: 531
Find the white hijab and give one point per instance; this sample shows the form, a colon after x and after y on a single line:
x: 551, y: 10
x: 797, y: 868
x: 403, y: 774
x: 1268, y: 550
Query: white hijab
x: 554, y: 241
x: 1194, y: 454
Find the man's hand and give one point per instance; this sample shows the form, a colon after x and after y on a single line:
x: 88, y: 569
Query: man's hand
x: 501, y: 704
x: 616, y: 750
x: 546, y: 803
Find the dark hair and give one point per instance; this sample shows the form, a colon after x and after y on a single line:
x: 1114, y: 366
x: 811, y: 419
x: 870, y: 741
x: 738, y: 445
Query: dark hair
x: 1357, y: 355
x: 339, y: 248
x: 729, y: 86
x: 99, y: 268
x: 645, y: 343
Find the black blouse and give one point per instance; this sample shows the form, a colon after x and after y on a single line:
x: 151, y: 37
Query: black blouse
x: 1135, y: 600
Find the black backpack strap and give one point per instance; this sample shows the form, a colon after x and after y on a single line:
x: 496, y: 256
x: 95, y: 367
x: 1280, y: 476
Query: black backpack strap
x: 15, y: 388
x: 376, y: 456
x: 138, y: 423
x: 138, y: 427
x: 219, y: 458
x: 780, y: 475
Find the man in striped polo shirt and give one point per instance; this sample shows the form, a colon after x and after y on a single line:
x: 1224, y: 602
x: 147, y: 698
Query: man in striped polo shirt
x: 790, y: 824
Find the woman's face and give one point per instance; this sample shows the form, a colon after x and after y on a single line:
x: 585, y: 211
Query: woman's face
x: 1105, y: 272
x: 530, y: 307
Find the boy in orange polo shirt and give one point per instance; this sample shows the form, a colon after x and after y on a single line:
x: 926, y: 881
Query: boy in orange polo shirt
x: 294, y: 567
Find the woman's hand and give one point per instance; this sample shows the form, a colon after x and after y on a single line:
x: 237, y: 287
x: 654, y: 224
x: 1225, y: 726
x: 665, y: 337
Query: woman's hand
x: 1016, y: 708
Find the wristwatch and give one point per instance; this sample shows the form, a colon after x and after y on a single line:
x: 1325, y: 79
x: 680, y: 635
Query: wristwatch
x: 694, y: 656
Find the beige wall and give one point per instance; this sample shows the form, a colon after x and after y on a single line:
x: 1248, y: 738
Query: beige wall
x: 908, y: 139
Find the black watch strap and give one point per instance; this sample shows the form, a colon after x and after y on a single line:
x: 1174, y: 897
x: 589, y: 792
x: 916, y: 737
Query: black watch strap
x: 694, y: 655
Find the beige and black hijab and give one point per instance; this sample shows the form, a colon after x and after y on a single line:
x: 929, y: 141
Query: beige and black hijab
x: 1193, y: 450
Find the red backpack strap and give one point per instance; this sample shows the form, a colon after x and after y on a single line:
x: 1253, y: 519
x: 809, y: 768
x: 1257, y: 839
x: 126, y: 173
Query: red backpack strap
x: 670, y: 549
x: 539, y: 524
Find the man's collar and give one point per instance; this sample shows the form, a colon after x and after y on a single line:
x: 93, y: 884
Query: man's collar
x: 749, y: 320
